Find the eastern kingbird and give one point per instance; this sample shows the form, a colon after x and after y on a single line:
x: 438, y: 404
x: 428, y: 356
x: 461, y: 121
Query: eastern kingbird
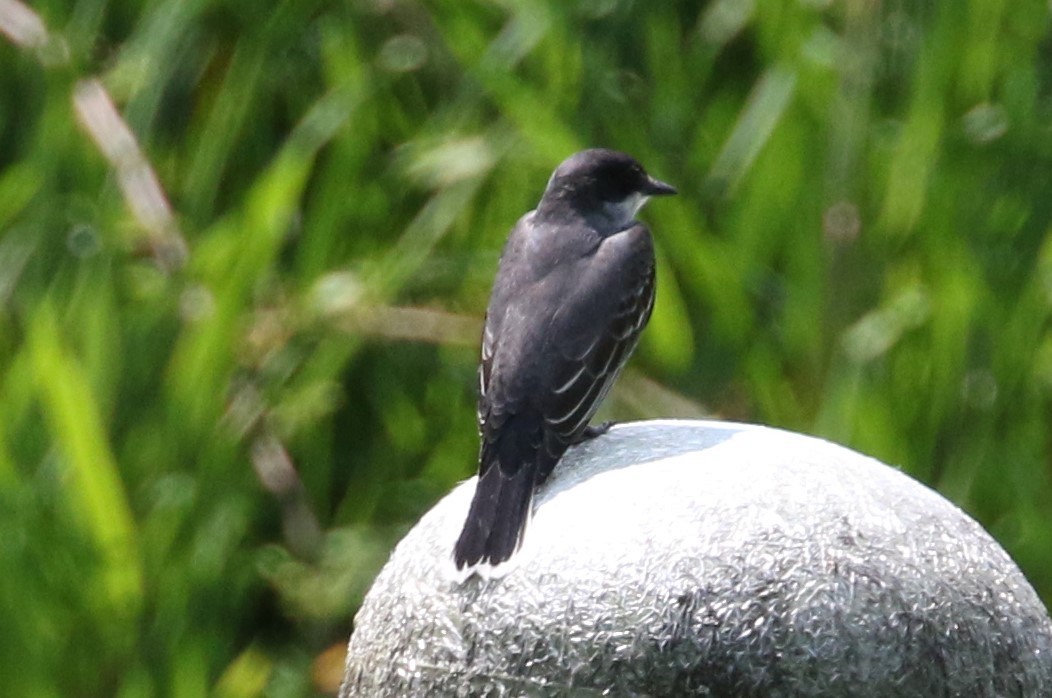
x: 574, y: 289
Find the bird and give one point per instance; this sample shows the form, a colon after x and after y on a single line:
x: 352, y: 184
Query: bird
x: 573, y: 291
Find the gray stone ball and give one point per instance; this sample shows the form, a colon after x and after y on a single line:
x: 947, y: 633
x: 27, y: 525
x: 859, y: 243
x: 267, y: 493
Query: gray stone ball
x: 687, y: 558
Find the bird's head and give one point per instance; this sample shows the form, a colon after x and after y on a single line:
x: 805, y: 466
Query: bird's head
x: 601, y: 183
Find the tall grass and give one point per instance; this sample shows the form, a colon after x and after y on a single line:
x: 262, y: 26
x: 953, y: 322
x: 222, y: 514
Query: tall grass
x: 244, y: 252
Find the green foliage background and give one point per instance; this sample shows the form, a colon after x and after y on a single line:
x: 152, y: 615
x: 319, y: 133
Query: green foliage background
x: 202, y: 468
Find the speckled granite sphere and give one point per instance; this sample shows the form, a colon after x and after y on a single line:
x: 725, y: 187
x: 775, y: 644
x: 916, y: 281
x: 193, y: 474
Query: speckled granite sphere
x: 710, y: 559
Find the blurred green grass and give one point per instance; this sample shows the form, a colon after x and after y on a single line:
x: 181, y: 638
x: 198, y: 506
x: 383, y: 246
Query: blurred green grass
x: 200, y: 471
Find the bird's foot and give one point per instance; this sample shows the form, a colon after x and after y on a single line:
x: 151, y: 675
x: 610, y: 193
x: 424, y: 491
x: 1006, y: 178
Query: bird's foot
x: 590, y: 432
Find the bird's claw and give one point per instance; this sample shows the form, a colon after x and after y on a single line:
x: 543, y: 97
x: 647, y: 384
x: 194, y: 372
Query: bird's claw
x: 590, y: 432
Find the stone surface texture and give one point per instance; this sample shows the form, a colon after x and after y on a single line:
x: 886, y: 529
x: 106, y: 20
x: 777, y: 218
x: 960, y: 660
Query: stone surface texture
x: 686, y: 558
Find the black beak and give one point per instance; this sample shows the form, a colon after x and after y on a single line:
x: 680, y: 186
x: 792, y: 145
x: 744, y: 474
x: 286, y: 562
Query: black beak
x: 655, y: 187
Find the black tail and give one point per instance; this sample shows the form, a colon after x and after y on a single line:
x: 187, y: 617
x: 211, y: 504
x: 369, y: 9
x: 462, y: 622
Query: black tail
x: 497, y: 517
x: 518, y: 458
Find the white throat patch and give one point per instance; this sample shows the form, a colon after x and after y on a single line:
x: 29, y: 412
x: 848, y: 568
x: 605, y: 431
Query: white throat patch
x: 625, y: 210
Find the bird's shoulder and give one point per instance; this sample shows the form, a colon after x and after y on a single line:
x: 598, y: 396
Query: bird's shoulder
x: 544, y: 241
x: 633, y: 243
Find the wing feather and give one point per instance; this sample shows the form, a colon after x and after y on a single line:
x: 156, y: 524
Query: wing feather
x: 555, y: 342
x: 589, y: 362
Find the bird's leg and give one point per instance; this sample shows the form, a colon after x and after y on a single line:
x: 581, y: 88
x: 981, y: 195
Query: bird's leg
x: 590, y: 432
